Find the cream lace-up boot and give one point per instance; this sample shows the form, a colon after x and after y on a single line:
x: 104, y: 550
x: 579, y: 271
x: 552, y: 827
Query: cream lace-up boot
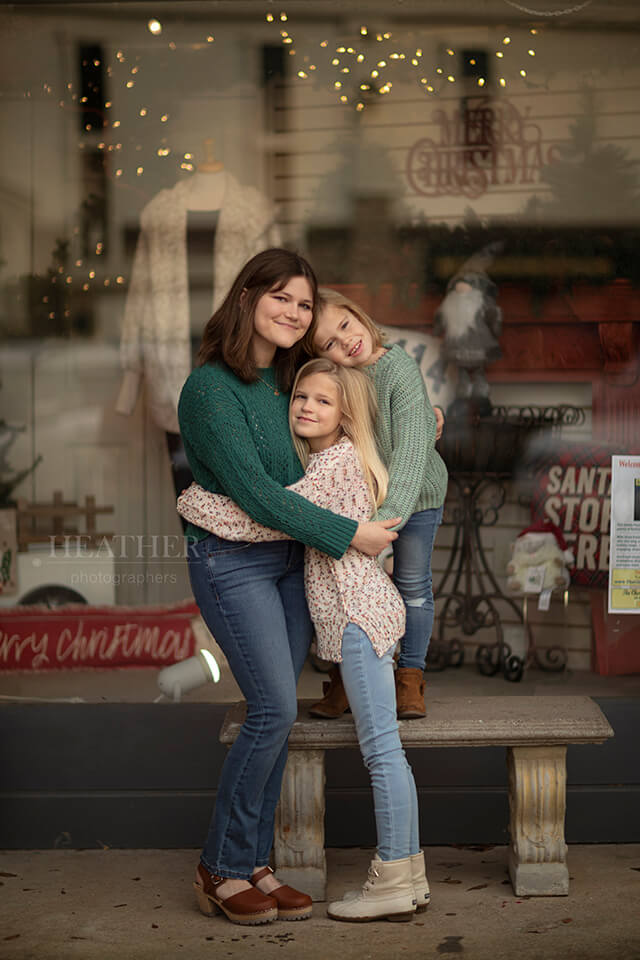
x: 387, y: 894
x: 420, y: 882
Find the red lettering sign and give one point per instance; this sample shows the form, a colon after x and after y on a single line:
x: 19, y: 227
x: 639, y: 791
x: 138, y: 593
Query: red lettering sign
x: 573, y: 489
x: 488, y: 144
x: 38, y: 638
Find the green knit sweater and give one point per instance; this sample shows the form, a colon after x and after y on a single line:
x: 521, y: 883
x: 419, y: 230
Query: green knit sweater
x: 237, y: 441
x: 406, y: 430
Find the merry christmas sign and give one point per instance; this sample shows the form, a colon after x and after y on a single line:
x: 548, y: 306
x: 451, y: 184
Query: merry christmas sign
x: 77, y: 635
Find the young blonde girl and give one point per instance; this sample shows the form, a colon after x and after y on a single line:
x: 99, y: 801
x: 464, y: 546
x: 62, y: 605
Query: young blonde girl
x: 405, y: 430
x: 357, y: 613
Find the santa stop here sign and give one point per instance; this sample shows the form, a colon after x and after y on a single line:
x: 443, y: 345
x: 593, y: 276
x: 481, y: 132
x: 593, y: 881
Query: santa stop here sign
x: 573, y: 490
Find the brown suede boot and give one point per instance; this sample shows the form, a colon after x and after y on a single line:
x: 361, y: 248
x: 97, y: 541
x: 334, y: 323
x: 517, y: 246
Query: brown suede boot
x: 410, y: 693
x: 334, y: 703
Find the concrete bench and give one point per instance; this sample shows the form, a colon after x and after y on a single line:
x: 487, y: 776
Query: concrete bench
x: 536, y: 732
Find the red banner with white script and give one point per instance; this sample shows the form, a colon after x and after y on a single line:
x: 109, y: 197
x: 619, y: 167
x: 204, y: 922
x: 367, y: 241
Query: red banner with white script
x: 77, y: 635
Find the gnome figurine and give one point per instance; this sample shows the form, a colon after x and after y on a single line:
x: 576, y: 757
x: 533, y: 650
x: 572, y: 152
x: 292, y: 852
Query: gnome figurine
x: 540, y: 560
x: 470, y: 322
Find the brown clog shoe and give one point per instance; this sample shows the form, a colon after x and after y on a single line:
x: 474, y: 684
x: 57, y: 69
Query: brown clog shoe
x: 292, y: 905
x: 249, y: 907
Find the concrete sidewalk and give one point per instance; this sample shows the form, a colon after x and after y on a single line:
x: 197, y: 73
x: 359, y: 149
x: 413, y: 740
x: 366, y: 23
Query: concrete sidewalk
x: 139, y: 904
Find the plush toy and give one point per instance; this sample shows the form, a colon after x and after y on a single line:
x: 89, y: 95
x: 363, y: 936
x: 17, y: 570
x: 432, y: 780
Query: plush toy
x: 470, y: 321
x: 539, y: 560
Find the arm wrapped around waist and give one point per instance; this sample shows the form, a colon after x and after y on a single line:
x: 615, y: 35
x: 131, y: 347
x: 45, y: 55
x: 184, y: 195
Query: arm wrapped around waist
x: 220, y: 515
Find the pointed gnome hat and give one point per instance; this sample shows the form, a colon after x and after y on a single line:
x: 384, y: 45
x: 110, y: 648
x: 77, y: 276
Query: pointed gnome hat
x: 546, y: 526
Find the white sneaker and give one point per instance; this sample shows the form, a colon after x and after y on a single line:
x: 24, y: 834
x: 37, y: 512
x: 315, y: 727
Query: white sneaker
x: 387, y: 894
x: 420, y: 882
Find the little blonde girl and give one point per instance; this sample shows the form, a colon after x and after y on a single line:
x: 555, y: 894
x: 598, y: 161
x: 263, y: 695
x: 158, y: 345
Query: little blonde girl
x: 357, y: 613
x: 406, y: 430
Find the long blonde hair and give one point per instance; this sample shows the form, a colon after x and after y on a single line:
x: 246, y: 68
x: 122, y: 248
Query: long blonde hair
x: 358, y: 413
x: 326, y: 297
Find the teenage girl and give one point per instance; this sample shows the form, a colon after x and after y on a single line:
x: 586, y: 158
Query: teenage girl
x: 233, y: 415
x: 357, y: 613
x: 405, y: 431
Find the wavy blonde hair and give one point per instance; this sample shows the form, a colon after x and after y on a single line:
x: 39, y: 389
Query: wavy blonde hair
x: 326, y: 297
x: 358, y: 413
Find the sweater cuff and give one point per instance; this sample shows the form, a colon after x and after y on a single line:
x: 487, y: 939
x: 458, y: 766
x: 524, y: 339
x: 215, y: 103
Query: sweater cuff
x: 336, y: 540
x: 390, y: 514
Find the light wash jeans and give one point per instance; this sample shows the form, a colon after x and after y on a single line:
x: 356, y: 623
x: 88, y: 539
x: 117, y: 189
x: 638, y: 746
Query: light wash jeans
x: 251, y: 596
x: 369, y: 684
x: 412, y: 576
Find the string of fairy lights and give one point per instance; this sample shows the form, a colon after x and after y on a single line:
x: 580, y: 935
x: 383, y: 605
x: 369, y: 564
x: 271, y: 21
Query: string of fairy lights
x: 357, y: 71
x: 369, y: 61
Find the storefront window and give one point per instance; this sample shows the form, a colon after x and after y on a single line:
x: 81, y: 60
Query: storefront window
x: 149, y: 149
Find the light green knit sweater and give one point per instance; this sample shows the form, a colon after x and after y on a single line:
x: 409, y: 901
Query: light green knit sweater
x: 406, y: 430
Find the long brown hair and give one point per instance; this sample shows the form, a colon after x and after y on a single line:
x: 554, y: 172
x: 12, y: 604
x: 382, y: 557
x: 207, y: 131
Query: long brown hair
x: 227, y: 336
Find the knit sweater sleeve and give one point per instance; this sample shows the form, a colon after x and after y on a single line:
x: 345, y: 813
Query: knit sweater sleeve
x: 413, y: 433
x: 333, y: 480
x: 220, y: 515
x: 214, y: 423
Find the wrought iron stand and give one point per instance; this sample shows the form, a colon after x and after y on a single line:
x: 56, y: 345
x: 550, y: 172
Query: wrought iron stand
x: 468, y: 594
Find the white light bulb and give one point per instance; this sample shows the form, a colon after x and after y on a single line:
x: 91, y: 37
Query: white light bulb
x: 187, y: 675
x: 211, y: 663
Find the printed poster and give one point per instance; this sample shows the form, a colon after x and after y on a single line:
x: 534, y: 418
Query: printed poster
x: 573, y: 490
x: 624, y: 562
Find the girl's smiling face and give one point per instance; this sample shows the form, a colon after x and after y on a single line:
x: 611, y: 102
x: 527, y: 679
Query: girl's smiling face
x: 316, y: 412
x: 341, y: 337
x: 281, y: 318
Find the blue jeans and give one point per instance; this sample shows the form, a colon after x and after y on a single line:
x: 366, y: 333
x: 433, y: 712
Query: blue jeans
x: 251, y: 596
x: 369, y: 685
x: 412, y: 576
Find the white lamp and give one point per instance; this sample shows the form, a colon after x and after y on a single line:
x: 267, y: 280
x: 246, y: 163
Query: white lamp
x: 186, y: 675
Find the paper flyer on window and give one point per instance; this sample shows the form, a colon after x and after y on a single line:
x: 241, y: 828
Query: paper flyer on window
x: 624, y: 562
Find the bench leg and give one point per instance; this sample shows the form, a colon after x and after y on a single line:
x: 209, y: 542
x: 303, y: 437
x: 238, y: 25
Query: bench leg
x: 537, y: 800
x: 299, y: 829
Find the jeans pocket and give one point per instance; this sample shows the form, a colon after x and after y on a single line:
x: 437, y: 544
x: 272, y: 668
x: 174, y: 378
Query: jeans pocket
x: 216, y: 546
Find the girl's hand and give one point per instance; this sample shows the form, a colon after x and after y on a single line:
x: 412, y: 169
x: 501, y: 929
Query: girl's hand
x: 439, y: 421
x: 375, y: 535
